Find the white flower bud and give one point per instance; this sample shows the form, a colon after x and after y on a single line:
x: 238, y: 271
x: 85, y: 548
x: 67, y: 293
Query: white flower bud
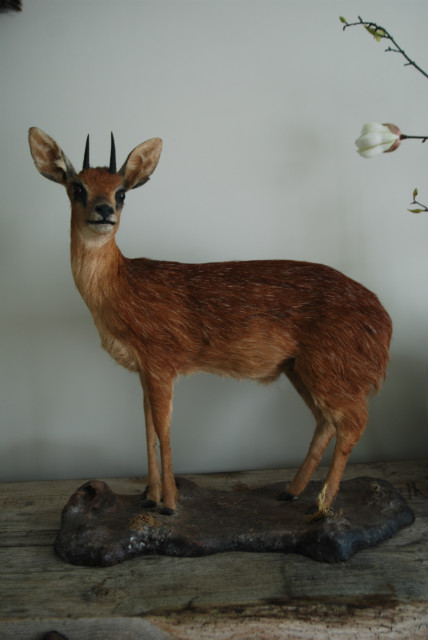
x: 378, y: 138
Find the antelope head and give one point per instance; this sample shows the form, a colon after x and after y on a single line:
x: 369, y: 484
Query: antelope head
x: 97, y: 194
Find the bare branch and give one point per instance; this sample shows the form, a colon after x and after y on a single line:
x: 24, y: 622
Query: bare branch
x: 379, y: 33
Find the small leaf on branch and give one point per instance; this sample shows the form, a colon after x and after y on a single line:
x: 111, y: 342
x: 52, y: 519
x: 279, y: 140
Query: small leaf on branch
x: 376, y: 32
x: 344, y: 20
x: 415, y: 210
x: 415, y: 193
x: 370, y: 30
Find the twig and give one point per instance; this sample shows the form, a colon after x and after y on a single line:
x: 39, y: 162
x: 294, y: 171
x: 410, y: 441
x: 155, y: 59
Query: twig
x: 422, y: 207
x: 379, y: 33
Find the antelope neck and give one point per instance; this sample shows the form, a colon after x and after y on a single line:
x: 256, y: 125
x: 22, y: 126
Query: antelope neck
x: 95, y: 270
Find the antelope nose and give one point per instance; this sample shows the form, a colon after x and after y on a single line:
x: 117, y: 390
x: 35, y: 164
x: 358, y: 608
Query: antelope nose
x: 105, y: 210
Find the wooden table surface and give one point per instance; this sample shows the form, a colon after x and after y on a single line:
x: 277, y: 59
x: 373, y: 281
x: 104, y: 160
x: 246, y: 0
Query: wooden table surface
x: 380, y: 592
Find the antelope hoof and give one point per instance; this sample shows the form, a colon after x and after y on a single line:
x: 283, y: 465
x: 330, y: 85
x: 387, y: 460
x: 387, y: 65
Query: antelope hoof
x: 167, y: 511
x: 316, y: 513
x: 286, y: 496
x: 147, y: 503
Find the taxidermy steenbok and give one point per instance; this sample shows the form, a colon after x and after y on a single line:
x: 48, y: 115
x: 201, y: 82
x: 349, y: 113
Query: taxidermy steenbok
x: 328, y: 334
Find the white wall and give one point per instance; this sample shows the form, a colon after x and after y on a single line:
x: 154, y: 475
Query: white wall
x: 258, y: 103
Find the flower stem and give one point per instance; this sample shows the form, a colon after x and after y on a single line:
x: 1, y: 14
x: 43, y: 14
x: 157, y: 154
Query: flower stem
x: 404, y: 137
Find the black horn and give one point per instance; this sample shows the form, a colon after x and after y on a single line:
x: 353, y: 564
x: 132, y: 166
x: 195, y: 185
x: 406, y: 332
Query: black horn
x: 112, y: 167
x: 86, y: 156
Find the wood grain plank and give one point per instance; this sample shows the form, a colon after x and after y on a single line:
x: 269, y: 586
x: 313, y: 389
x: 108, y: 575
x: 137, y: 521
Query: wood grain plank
x: 300, y: 620
x: 156, y: 583
x: 85, y: 629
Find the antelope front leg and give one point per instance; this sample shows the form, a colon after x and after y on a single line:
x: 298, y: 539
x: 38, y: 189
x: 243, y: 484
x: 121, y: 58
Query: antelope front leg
x: 158, y: 400
x: 153, y: 492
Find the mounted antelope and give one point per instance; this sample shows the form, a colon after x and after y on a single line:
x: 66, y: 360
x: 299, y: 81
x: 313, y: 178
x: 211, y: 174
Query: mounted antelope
x: 328, y: 334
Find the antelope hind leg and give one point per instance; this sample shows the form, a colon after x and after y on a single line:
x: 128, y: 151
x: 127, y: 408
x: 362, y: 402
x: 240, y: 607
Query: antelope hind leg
x: 324, y: 432
x: 349, y: 431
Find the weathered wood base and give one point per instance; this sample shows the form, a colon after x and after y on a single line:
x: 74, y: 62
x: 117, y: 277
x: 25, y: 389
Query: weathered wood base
x: 102, y: 528
x: 381, y: 591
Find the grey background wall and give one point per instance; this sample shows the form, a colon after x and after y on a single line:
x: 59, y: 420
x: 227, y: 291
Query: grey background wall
x: 258, y: 103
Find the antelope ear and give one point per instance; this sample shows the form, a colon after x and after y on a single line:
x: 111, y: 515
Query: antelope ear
x: 49, y: 158
x: 141, y: 163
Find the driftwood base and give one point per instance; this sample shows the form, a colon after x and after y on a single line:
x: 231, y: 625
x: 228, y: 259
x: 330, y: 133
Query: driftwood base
x: 101, y: 528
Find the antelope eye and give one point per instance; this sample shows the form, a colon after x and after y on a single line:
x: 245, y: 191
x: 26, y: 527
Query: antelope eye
x: 120, y: 196
x: 79, y: 192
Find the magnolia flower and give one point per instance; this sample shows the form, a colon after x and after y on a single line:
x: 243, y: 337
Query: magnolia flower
x: 378, y: 138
